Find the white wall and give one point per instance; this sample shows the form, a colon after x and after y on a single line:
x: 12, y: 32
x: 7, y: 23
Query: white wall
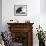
x: 36, y: 10
x: 36, y: 19
x: 43, y: 6
x: 43, y: 14
x: 8, y: 10
x: 33, y: 14
x: 0, y: 15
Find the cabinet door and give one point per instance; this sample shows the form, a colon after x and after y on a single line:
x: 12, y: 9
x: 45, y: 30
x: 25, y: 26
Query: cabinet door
x: 20, y: 37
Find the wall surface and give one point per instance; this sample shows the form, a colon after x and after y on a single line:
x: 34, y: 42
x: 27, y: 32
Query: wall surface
x: 34, y: 14
x: 43, y: 6
x: 0, y: 15
x: 33, y: 11
x: 43, y: 14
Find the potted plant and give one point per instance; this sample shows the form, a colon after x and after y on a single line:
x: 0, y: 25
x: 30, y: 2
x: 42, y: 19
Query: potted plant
x: 41, y: 36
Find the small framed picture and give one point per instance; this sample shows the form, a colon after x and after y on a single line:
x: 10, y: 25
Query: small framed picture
x: 20, y: 10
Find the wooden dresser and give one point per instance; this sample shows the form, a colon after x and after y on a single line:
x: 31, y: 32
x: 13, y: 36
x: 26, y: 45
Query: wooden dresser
x: 22, y: 33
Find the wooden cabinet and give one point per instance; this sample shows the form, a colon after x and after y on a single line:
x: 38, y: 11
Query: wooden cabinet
x: 22, y: 33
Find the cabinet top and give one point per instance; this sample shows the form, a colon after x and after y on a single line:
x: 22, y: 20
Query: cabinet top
x: 19, y: 23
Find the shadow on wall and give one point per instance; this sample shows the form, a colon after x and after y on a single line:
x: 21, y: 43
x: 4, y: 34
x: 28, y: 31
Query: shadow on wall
x: 43, y: 6
x: 0, y: 15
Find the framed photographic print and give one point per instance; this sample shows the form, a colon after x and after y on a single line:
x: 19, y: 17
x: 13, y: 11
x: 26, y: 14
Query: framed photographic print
x: 20, y: 10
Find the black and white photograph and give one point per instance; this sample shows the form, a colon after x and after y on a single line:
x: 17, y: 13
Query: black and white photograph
x: 20, y: 10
